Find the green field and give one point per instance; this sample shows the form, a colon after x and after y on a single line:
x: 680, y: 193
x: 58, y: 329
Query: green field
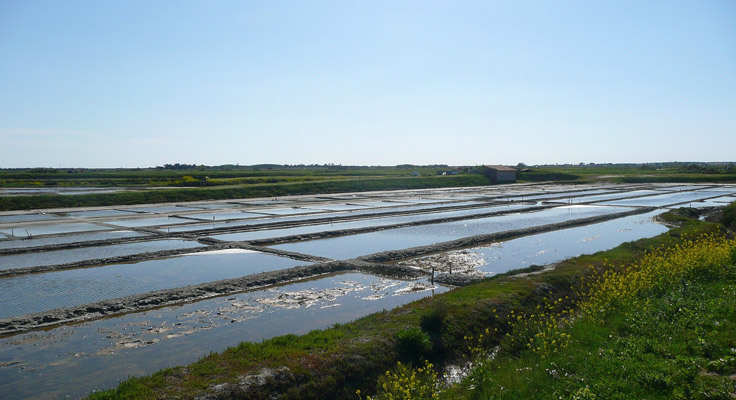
x: 196, y: 183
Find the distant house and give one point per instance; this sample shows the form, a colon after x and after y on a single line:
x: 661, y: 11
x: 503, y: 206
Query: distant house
x: 415, y: 173
x: 499, y: 173
x: 448, y: 172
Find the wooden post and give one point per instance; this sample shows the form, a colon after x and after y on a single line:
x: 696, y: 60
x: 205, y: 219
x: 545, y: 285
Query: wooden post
x: 432, y: 281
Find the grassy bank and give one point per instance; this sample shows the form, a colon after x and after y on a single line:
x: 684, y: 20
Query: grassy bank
x: 238, y: 192
x: 623, y: 174
x: 335, y: 362
x: 661, y: 327
x: 192, y: 175
x: 670, y: 340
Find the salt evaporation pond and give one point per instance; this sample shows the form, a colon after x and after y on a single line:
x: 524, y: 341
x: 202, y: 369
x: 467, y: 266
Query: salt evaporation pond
x: 89, y: 253
x: 74, y: 360
x: 80, y: 237
x: 162, y: 209
x: 142, y: 222
x: 222, y: 216
x: 33, y: 293
x: 680, y: 188
x: 662, y: 200
x: 430, y: 210
x: 614, y: 196
x: 715, y: 202
x: 545, y: 248
x: 393, y: 239
x: 284, y: 211
x: 276, y: 233
x: 28, y: 218
x: 542, y: 196
x: 35, y: 230
x: 96, y: 213
x: 218, y: 206
x: 337, y: 207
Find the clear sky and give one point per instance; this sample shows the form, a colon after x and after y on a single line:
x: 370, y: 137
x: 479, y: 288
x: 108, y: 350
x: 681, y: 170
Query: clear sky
x: 143, y: 83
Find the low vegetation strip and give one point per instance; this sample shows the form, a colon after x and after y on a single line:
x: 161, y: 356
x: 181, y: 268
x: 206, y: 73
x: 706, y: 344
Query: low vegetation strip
x: 336, y: 362
x: 9, y: 203
x: 663, y: 327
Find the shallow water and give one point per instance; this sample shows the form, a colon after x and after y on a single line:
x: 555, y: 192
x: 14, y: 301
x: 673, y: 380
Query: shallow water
x: 614, y: 196
x: 73, y: 360
x: 393, y: 239
x: 570, y: 193
x: 35, y: 230
x: 161, y: 209
x: 275, y: 233
x: 337, y: 207
x: 142, y: 222
x: 217, y: 206
x: 367, y: 213
x: 716, y: 202
x: 28, y: 218
x: 95, y: 213
x: 546, y: 248
x: 679, y: 188
x: 90, y: 253
x: 80, y: 237
x: 662, y: 200
x: 417, y: 200
x: 222, y: 216
x: 42, y: 292
x: 284, y: 211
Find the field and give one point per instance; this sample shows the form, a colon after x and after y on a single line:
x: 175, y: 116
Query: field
x: 26, y: 189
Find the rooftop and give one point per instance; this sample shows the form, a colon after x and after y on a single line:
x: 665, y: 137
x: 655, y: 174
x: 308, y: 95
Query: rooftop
x: 500, y: 167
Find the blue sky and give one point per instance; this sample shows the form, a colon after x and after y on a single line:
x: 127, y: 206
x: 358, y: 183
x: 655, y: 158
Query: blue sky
x: 143, y: 83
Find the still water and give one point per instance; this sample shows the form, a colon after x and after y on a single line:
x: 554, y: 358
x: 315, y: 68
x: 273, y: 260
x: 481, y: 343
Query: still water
x: 74, y: 360
x: 393, y: 239
x: 34, y: 293
x: 90, y: 253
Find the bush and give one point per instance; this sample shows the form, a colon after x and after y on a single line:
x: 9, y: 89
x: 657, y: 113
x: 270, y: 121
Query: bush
x: 729, y: 216
x: 413, y: 344
x: 432, y: 321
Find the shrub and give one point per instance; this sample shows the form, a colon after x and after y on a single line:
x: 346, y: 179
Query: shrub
x: 729, y: 216
x: 413, y: 344
x: 433, y: 320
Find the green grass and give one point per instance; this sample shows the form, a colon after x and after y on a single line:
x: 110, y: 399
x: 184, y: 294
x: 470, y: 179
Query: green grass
x: 681, y: 344
x: 622, y: 174
x: 333, y: 363
x: 238, y: 192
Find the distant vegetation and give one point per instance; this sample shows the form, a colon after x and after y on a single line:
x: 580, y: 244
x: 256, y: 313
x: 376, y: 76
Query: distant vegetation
x: 189, y: 182
x: 632, y: 173
x: 238, y: 191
